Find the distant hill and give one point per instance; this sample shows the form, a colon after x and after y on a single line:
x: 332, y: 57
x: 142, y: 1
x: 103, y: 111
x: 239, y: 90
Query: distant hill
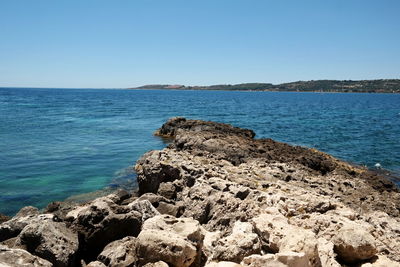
x: 365, y: 86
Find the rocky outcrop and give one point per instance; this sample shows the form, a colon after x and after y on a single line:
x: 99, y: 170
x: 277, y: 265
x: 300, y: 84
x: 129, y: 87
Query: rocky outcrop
x: 11, y: 228
x: 120, y: 253
x: 298, y: 200
x: 176, y: 241
x: 20, y: 258
x: 240, y: 243
x: 104, y: 220
x: 218, y: 197
x: 50, y: 240
x: 354, y: 245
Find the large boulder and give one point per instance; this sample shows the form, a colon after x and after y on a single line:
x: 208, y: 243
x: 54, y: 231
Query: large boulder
x: 240, y: 243
x: 163, y: 205
x: 326, y: 253
x: 10, y: 257
x: 151, y: 172
x: 50, y: 240
x: 155, y: 245
x: 381, y: 261
x: 96, y: 264
x: 176, y: 241
x: 285, y: 259
x: 354, y: 245
x: 11, y: 228
x: 170, y: 128
x: 156, y: 264
x: 272, y: 227
x: 277, y: 235
x: 119, y: 253
x: 282, y: 259
x: 103, y: 221
x: 301, y: 241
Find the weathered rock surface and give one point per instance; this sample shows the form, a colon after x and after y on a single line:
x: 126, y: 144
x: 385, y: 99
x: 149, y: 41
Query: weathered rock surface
x: 218, y: 197
x: 156, y: 264
x: 176, y: 241
x: 354, y: 245
x: 20, y: 258
x: 50, y: 240
x: 95, y: 264
x: 240, y: 243
x: 301, y: 197
x: 285, y: 259
x: 14, y: 226
x: 103, y: 221
x: 120, y: 253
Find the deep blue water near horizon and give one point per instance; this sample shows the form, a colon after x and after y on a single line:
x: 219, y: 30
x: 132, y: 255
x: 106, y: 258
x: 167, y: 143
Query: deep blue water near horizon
x: 55, y: 143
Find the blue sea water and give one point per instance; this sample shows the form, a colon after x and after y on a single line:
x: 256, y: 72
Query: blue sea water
x: 55, y: 143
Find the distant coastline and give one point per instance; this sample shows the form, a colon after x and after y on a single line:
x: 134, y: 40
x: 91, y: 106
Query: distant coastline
x: 331, y: 86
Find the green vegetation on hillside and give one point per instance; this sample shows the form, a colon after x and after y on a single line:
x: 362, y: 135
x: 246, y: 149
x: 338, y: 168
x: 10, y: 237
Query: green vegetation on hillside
x: 370, y: 86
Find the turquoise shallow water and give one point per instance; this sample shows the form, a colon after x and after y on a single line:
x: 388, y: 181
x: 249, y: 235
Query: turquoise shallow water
x: 55, y: 143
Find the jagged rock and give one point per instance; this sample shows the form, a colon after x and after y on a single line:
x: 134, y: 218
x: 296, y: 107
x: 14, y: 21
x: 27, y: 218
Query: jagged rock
x: 381, y: 261
x: 144, y: 207
x: 14, y: 226
x: 222, y: 176
x: 167, y: 190
x: 172, y: 125
x: 96, y: 264
x: 4, y: 218
x: 163, y: 205
x: 303, y: 241
x: 60, y: 208
x: 278, y: 235
x: 253, y: 202
x: 156, y: 264
x: 209, y: 242
x: 120, y: 253
x: 20, y: 258
x: 155, y: 245
x: 103, y: 221
x: 50, y: 240
x: 262, y: 260
x: 294, y: 259
x: 326, y: 254
x: 10, y: 242
x: 149, y: 179
x: 187, y: 228
x: 284, y: 259
x: 223, y: 264
x: 241, y: 243
x: 271, y: 227
x: 176, y: 241
x: 354, y: 245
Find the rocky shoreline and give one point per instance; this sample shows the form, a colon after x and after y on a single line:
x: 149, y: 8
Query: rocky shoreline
x: 216, y: 196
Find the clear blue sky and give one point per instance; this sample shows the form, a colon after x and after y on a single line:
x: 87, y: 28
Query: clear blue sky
x: 96, y: 43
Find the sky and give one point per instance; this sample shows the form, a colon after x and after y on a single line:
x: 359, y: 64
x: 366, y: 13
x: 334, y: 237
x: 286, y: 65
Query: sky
x: 127, y: 43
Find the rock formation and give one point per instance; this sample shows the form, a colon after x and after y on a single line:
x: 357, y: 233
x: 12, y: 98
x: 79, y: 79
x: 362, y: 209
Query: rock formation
x: 216, y: 196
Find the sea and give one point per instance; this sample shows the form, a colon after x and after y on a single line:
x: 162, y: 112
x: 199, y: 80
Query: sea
x: 57, y: 144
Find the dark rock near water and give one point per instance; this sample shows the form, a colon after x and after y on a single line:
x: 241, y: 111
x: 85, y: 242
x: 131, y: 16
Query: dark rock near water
x: 4, y: 218
x: 50, y: 240
x: 170, y: 128
x: 14, y: 226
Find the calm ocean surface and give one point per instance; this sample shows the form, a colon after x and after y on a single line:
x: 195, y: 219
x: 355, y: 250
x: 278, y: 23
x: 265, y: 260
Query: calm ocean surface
x: 55, y: 143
